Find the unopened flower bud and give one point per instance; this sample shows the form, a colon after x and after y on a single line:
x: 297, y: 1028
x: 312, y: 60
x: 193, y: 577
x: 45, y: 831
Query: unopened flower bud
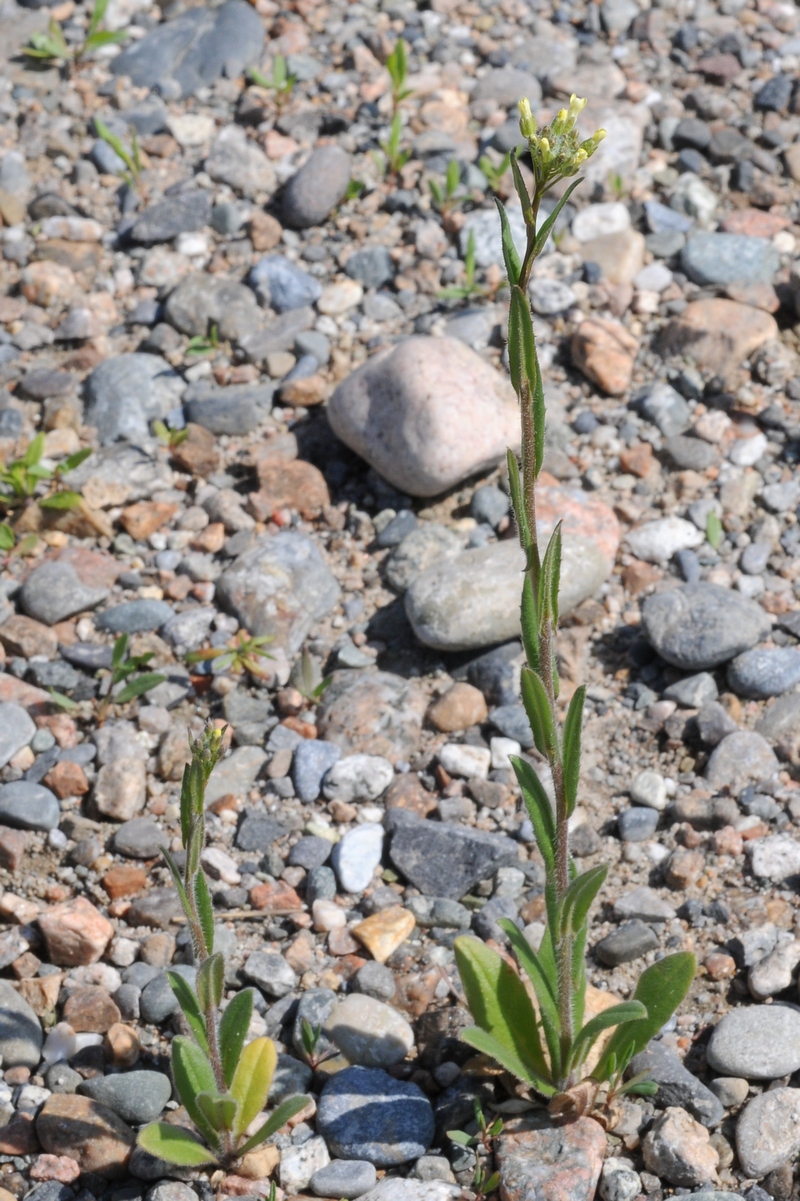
x: 527, y: 122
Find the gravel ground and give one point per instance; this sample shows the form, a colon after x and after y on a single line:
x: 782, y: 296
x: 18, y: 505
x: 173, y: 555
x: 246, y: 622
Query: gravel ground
x: 301, y: 308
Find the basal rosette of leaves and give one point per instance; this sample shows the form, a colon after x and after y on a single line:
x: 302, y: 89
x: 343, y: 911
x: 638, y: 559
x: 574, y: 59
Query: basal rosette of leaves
x: 222, y: 1081
x: 546, y: 1045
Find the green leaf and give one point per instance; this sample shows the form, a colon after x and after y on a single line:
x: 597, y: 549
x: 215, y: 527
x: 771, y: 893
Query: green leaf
x: 174, y: 1145
x: 487, y: 1044
x: 61, y: 500
x: 204, y: 909
x: 193, y: 1074
x: 521, y: 345
x: 638, y: 1088
x: 714, y: 530
x: 104, y: 37
x: 251, y: 1080
x: 615, y: 1015
x: 34, y: 452
x: 539, y: 808
x: 661, y: 989
x: 118, y: 653
x: 7, y: 538
x: 219, y: 1109
x: 436, y: 191
x: 543, y: 233
x: 549, y: 578
x: 233, y: 1027
x: 579, y: 897
x: 545, y: 984
x: 571, y: 747
x: 211, y: 981
x: 190, y: 1006
x: 522, y: 191
x: 515, y: 490
x: 73, y: 461
x: 460, y: 1137
x: 511, y: 257
x: 537, y: 708
x: 500, y: 1005
x: 453, y: 176
x: 282, y: 1114
x: 139, y: 686
x: 98, y: 12
x: 59, y: 698
x: 529, y: 623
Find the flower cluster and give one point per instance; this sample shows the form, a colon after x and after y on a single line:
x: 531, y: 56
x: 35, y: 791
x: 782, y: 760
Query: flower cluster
x: 556, y: 151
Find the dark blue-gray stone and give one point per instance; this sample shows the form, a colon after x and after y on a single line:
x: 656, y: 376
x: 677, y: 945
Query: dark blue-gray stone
x: 637, y: 824
x: 184, y: 213
x: 754, y: 558
x: 237, y: 409
x: 444, y: 860
x: 699, y: 626
x: 397, y: 529
x: 664, y: 220
x: 314, y: 1007
x: 285, y: 284
x: 485, y: 922
x: 50, y: 1190
x: 677, y: 1085
x: 776, y: 93
x: 372, y: 266
x: 311, y: 851
x: 27, y: 806
x: 489, y: 504
x: 364, y: 1113
x: 765, y: 671
x: 666, y: 408
x: 53, y: 592
x: 312, y: 759
x: 89, y: 655
x: 316, y: 189
x: 512, y: 721
x: 135, y: 1097
x: 125, y: 393
x: 631, y: 941
x: 196, y: 48
x: 135, y: 617
x: 320, y: 885
x: 158, y: 1001
x: 713, y: 258
x: 257, y: 831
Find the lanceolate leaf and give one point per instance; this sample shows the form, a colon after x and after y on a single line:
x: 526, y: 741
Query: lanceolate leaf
x: 61, y: 500
x: 193, y: 1074
x: 219, y: 1109
x: 543, y: 233
x: 549, y: 578
x: 233, y: 1027
x: 545, y: 986
x: 487, y: 1044
x: 139, y: 687
x: 529, y: 623
x: 176, y: 879
x: 540, y: 811
x: 537, y: 708
x: 204, y: 910
x: 522, y: 191
x: 515, y: 489
x: 173, y: 1144
x: 522, y: 363
x: 211, y: 981
x: 500, y: 1004
x: 510, y: 256
x: 571, y: 747
x: 539, y: 415
x: 615, y: 1015
x: 252, y: 1079
x: 578, y: 898
x: 279, y: 1117
x: 190, y: 1007
x: 661, y: 989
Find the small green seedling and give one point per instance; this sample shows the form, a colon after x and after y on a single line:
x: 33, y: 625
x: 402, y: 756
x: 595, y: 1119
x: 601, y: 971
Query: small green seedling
x: 494, y: 172
x: 311, y: 1036
x: 469, y: 286
x: 395, y: 156
x: 714, y: 531
x: 130, y: 668
x: 354, y: 189
x: 52, y: 46
x: 26, y: 481
x: 397, y: 66
x: 131, y: 158
x: 616, y: 185
x: 446, y: 199
x: 222, y: 1083
x: 202, y: 344
x: 169, y: 437
x: 307, y: 677
x: 243, y: 653
x: 280, y: 82
x: 484, y: 1182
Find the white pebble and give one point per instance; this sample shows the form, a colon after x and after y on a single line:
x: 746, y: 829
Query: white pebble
x: 501, y: 749
x: 649, y: 788
x: 327, y: 915
x: 747, y: 451
x: 460, y: 759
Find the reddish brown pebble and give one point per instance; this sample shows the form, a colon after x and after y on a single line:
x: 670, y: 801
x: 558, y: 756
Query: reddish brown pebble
x: 637, y: 577
x: 90, y: 1010
x: 75, y: 933
x: 459, y: 708
x: 293, y: 485
x: 551, y: 1163
x: 92, y: 1134
x: 728, y: 841
x: 121, y: 1045
x: 604, y: 352
x: 637, y: 459
x: 720, y: 966
x: 67, y: 779
x: 13, y: 844
x: 198, y: 454
x: 18, y: 1137
x: 143, y: 519
x: 55, y: 1167
x: 41, y: 993
x: 407, y: 792
x: 274, y: 896
x: 124, y: 880
x: 683, y: 868
x: 26, y: 637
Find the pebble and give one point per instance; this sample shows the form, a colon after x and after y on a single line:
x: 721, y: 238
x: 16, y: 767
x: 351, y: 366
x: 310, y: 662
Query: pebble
x: 444, y: 860
x: 759, y: 1042
x: 677, y: 1085
x: 547, y: 1160
x: 657, y: 541
x: 27, y: 806
x: 356, y: 856
x: 739, y: 758
x: 693, y: 691
x: 284, y: 285
x: 270, y: 972
x: 714, y: 258
x: 650, y: 788
x: 347, y: 1178
x: 700, y: 626
x: 764, y: 672
x: 68, y: 1124
x: 460, y: 759
x: 316, y: 188
x: 644, y: 903
x: 20, y: 1032
x: 300, y: 1163
x: 371, y: 713
x: 363, y: 1113
x: 310, y: 763
x: 357, y: 778
x: 776, y: 857
x: 632, y: 940
x: 75, y: 932
x: 774, y: 973
x: 637, y: 824
x: 424, y: 547
x: 54, y: 592
x: 412, y: 411
x: 369, y: 1032
x: 16, y: 731
x: 136, y: 1097
x: 139, y: 838
x: 678, y: 1149
x: 619, y: 1180
x: 768, y: 1131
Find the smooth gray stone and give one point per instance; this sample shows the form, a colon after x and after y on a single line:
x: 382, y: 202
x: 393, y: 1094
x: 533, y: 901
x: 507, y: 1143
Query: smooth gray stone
x: 699, y: 626
x: 136, y: 1097
x: 632, y: 940
x: 135, y: 617
x: 184, y: 213
x: 126, y: 393
x: 26, y: 806
x: 315, y: 190
x: 16, y: 730
x: 765, y: 672
x: 676, y: 1084
x: 20, y: 1030
x: 758, y: 1042
x: 444, y: 860
x: 716, y: 258
x: 768, y: 1131
x: 53, y: 592
x: 347, y: 1178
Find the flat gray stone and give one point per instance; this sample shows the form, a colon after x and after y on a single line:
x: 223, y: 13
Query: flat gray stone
x: 716, y: 258
x: 676, y: 1084
x: 699, y: 626
x: 764, y: 672
x: 135, y: 1097
x: 739, y: 758
x: 16, y: 730
x: 768, y: 1132
x: 27, y: 806
x: 315, y: 190
x: 758, y: 1042
x: 54, y: 592
x: 444, y: 860
x: 347, y: 1178
x: 20, y: 1030
x: 364, y: 1113
x: 126, y: 393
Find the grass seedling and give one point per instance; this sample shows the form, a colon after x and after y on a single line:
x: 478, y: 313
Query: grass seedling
x: 548, y: 1047
x: 469, y: 286
x: 311, y: 1037
x: 202, y: 344
x: 494, y: 172
x: 446, y: 199
x: 52, y: 46
x: 280, y: 82
x: 616, y: 185
x: 395, y: 156
x: 222, y: 1082
x: 714, y: 531
x: 307, y: 677
x: 397, y: 66
x: 169, y: 437
x: 242, y: 653
x: 131, y: 158
x: 130, y: 668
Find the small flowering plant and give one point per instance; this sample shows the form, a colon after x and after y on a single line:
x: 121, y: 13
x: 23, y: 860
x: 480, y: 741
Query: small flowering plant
x: 547, y: 1044
x: 222, y: 1081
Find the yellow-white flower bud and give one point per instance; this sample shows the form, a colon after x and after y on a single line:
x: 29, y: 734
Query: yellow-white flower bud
x: 527, y: 122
